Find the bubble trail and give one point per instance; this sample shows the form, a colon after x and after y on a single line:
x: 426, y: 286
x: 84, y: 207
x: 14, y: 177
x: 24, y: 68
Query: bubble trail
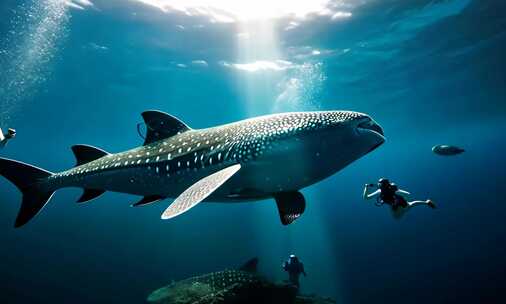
x: 27, y: 51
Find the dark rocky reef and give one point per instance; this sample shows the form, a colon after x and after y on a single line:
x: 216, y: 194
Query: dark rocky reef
x: 259, y: 292
x: 236, y: 286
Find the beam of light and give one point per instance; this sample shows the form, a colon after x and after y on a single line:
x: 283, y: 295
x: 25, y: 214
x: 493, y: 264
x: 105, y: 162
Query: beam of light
x: 28, y: 49
x: 271, y: 80
x: 234, y: 10
x: 261, y: 65
x: 274, y: 78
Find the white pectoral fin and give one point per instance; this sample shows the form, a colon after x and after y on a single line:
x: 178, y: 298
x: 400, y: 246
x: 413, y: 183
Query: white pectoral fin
x: 199, y: 191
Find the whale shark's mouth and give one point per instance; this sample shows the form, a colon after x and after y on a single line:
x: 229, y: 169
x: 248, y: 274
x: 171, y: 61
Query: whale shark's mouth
x: 370, y: 125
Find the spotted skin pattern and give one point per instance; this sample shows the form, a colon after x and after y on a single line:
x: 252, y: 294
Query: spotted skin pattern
x: 169, y: 166
x: 237, y: 142
x: 222, y: 279
x: 204, y: 288
x: 197, y: 149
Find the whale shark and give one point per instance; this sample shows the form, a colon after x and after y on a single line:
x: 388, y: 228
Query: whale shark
x: 244, y: 285
x: 241, y: 283
x: 272, y: 156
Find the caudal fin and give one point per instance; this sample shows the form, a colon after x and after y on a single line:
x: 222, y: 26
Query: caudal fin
x: 26, y: 178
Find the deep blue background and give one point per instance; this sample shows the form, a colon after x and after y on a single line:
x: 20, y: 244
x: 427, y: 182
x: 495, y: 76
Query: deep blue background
x: 426, y: 75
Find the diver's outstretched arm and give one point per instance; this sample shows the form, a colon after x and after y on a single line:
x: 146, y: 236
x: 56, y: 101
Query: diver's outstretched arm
x: 366, y: 195
x: 3, y: 140
x: 403, y: 193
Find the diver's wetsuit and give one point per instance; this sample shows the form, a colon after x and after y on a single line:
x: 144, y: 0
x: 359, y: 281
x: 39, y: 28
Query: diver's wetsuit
x: 389, y: 196
x: 294, y: 268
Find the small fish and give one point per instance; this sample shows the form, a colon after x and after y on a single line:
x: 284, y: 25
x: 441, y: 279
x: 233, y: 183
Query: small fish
x: 447, y: 150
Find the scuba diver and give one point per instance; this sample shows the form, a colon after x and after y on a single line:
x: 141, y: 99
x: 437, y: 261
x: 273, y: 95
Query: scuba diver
x: 294, y: 268
x: 389, y: 193
x: 4, y: 138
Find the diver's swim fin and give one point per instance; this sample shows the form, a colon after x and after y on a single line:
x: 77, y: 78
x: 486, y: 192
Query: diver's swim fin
x: 26, y: 178
x: 199, y: 191
x: 291, y: 205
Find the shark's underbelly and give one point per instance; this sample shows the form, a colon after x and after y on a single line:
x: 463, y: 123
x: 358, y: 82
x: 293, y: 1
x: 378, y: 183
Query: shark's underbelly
x: 255, y: 180
x: 145, y: 181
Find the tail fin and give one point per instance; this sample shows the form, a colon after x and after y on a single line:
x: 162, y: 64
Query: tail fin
x: 26, y: 178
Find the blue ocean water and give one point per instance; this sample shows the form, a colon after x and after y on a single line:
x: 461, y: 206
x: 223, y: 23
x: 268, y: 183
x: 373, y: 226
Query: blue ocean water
x: 430, y: 72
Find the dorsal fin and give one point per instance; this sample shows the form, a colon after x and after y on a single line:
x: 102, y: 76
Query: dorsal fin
x: 84, y: 154
x: 160, y: 125
x: 250, y: 266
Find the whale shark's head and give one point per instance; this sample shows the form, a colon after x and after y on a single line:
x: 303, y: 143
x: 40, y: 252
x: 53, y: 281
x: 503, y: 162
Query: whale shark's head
x: 317, y: 144
x: 345, y: 133
x: 369, y: 134
x: 347, y: 136
x: 341, y: 138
